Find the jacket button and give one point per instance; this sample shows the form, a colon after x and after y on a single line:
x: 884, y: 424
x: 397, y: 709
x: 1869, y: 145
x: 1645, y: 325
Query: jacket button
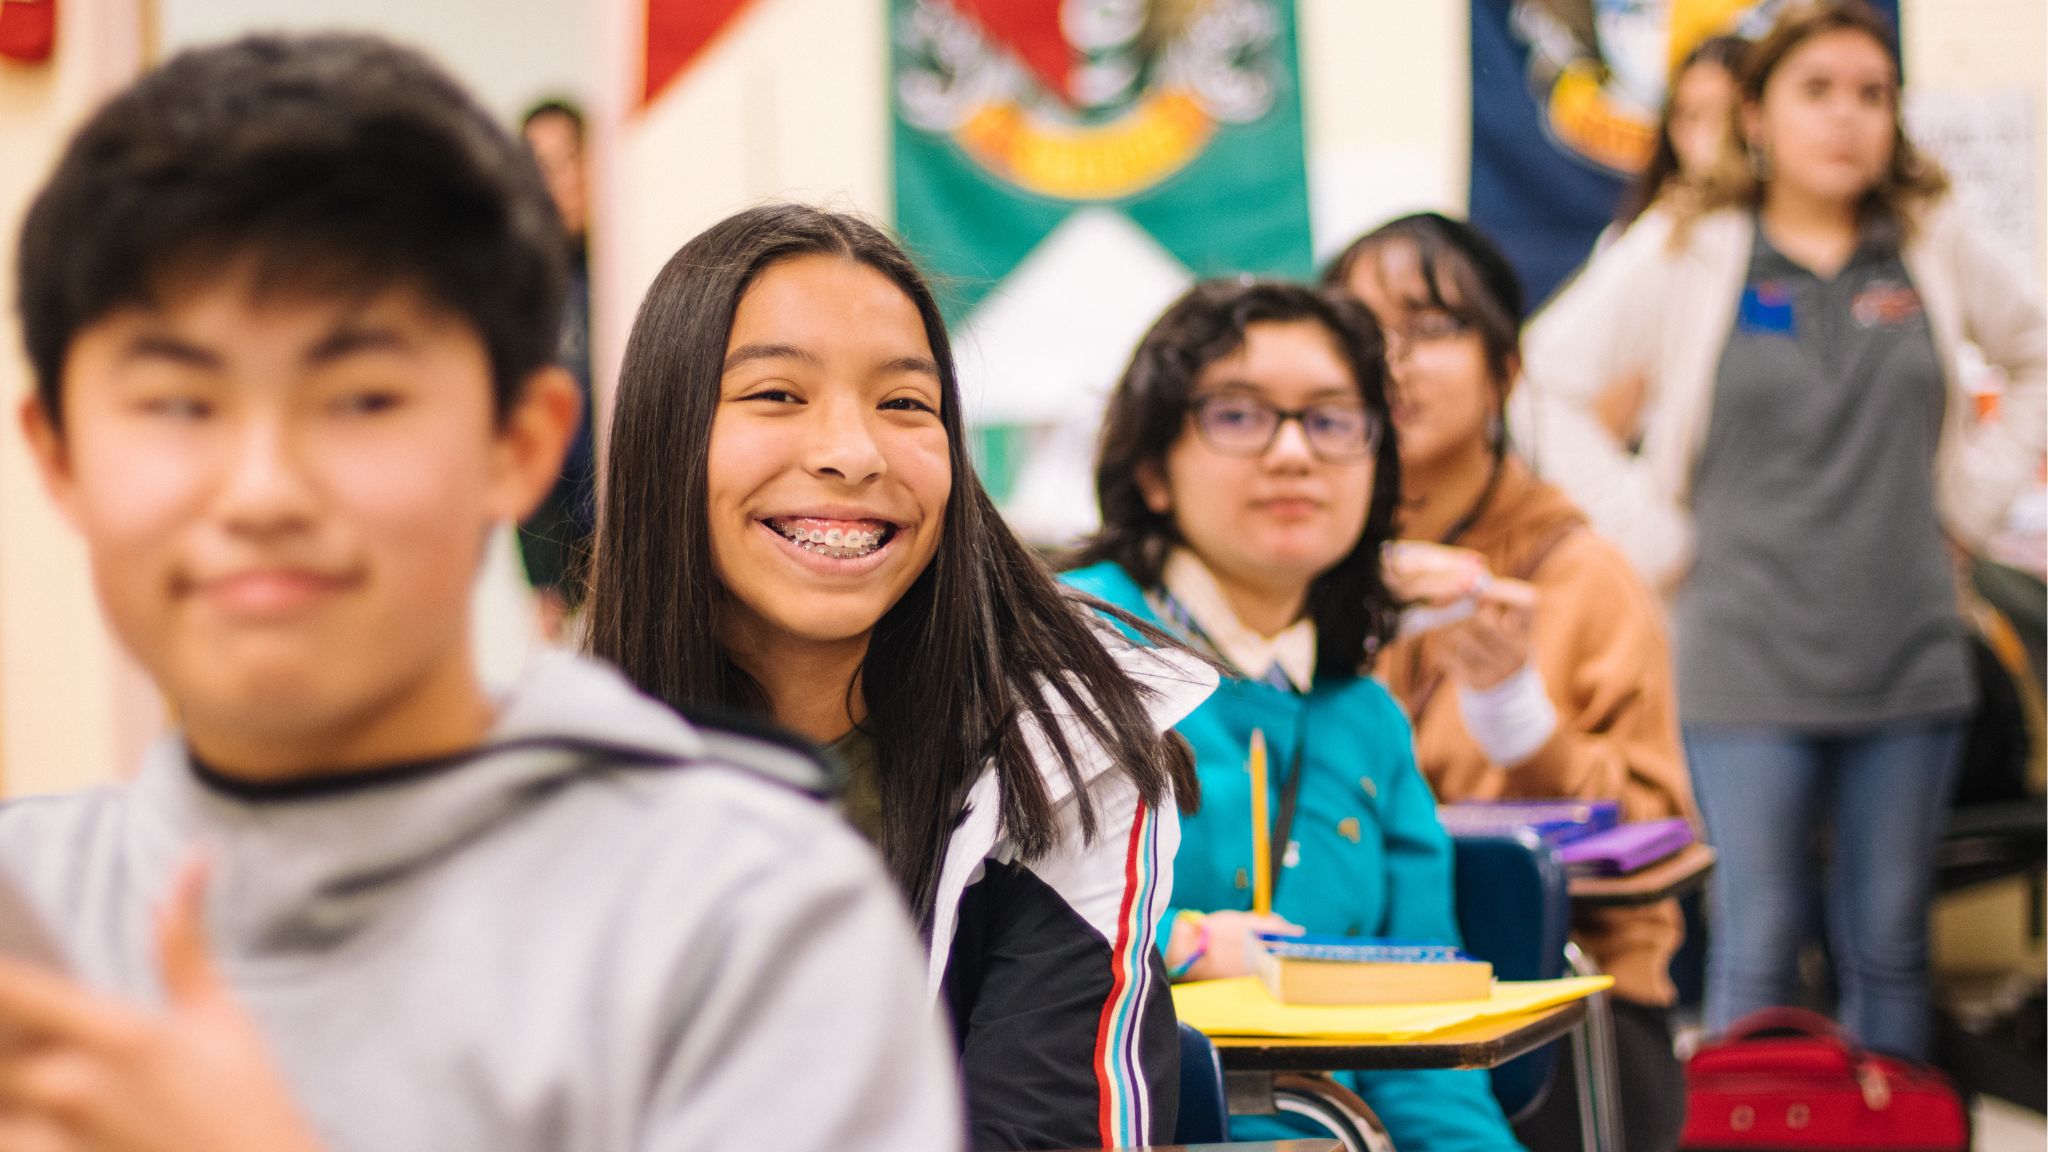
x: 1743, y: 1118
x: 1797, y: 1116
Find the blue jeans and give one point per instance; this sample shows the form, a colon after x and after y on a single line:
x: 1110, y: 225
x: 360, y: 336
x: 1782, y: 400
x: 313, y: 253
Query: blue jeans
x: 1884, y: 794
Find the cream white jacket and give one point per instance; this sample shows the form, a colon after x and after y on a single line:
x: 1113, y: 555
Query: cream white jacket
x: 1665, y: 309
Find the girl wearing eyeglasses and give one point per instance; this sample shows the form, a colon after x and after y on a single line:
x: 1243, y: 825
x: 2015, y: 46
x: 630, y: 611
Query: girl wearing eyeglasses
x: 1247, y: 481
x: 1549, y: 673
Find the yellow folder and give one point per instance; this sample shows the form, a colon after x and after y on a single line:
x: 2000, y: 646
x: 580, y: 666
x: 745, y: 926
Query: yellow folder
x: 1242, y: 1007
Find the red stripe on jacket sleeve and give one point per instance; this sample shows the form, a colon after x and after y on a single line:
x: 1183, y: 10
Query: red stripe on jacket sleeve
x: 1122, y: 976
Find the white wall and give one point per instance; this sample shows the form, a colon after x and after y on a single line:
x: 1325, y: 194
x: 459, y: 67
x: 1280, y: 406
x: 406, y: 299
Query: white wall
x: 1986, y: 46
x: 71, y: 707
x: 510, y: 52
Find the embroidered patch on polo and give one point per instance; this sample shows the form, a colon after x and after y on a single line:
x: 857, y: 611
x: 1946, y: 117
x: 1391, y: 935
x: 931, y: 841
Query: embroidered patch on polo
x: 1886, y: 304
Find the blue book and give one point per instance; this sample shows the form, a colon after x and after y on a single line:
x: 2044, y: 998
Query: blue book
x: 1357, y: 949
x: 1556, y: 821
x: 1366, y: 970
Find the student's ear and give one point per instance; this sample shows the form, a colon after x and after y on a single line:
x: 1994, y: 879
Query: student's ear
x: 1153, y: 487
x: 52, y: 456
x: 533, y: 439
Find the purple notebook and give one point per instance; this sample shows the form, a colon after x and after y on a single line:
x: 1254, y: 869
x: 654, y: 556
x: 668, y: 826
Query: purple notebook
x: 1556, y: 821
x: 1625, y: 848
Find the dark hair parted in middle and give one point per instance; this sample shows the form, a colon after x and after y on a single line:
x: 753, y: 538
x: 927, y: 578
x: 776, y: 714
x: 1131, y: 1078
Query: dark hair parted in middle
x: 1484, y: 290
x: 1484, y: 294
x: 982, y: 641
x: 1353, y: 611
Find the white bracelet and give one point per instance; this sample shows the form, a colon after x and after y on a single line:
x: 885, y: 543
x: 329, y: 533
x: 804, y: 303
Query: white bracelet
x: 1510, y: 720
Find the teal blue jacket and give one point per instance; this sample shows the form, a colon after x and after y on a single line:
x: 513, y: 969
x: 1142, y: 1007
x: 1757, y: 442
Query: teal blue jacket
x: 1368, y: 857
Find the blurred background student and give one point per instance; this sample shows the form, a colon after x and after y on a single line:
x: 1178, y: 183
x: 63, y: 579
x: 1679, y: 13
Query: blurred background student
x: 1248, y: 479
x: 1809, y: 462
x: 1558, y: 683
x: 555, y: 540
x: 1692, y: 133
x: 1699, y: 114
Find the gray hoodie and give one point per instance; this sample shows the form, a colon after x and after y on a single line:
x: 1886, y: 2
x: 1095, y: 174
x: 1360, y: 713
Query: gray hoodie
x: 565, y: 941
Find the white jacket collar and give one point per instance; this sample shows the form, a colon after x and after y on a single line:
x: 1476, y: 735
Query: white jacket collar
x: 1177, y: 683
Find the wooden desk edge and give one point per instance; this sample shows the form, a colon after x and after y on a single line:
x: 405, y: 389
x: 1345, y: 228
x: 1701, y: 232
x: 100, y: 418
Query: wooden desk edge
x: 1485, y: 1044
x: 1309, y: 1144
x: 1663, y: 880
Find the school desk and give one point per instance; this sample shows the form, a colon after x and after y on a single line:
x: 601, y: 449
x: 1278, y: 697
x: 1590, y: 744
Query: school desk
x: 1675, y: 875
x: 1246, y: 1146
x: 1257, y: 1071
x: 1251, y: 1062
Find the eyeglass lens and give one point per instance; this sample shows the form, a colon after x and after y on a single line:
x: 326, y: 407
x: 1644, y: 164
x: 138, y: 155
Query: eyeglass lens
x: 1245, y: 426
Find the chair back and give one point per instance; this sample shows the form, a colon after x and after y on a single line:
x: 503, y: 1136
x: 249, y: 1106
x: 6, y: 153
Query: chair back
x: 1514, y: 912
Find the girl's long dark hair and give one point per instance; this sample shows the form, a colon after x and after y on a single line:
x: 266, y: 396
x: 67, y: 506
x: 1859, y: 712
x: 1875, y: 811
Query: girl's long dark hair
x: 1353, y: 610
x: 983, y: 640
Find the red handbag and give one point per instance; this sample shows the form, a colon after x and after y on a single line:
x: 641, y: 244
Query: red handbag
x: 1786, y: 1078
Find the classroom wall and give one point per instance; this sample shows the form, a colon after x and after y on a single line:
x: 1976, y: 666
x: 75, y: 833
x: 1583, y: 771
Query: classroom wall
x: 70, y: 705
x: 510, y: 52
x: 790, y: 101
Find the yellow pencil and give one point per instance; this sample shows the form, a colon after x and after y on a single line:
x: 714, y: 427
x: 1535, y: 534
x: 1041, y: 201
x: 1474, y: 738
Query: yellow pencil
x: 1262, y: 848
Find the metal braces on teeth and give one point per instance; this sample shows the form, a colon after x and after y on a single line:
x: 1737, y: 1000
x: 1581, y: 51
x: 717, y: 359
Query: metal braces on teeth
x: 834, y: 542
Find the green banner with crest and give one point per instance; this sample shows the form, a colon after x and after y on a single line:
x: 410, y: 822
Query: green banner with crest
x: 1011, y: 115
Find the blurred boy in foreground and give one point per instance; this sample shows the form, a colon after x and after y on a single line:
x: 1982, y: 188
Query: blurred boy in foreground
x: 291, y: 306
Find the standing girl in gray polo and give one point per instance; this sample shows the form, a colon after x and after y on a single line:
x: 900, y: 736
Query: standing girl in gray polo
x: 1808, y: 457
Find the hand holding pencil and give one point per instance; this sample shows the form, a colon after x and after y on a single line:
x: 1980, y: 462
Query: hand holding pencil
x: 1216, y: 945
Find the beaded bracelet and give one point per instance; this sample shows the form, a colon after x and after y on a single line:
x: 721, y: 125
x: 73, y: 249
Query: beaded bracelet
x: 1201, y: 946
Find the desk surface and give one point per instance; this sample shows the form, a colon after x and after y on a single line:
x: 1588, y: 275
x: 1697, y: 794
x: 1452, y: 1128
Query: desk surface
x: 1676, y: 875
x: 1480, y: 1045
x: 1257, y: 1146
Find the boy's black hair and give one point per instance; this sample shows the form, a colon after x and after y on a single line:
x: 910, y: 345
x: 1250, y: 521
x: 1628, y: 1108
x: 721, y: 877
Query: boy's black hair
x: 335, y: 163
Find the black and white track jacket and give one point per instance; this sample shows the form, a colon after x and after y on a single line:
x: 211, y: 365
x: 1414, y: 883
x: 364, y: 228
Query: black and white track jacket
x: 1052, y: 969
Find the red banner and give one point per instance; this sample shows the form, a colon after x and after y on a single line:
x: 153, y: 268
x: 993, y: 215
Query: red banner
x: 678, y: 31
x: 1031, y: 28
x: 28, y: 29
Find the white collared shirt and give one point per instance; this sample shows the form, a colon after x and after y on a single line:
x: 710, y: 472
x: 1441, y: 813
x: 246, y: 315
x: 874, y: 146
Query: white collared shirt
x: 1292, y: 649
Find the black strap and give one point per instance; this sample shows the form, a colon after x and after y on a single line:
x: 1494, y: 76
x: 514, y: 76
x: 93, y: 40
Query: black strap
x: 1290, y: 794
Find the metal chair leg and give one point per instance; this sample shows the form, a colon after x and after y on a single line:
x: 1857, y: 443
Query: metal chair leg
x: 1319, y: 1098
x: 1596, y: 1062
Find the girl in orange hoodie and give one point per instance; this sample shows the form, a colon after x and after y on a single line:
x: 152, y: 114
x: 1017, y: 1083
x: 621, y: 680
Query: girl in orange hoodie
x: 1559, y: 684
